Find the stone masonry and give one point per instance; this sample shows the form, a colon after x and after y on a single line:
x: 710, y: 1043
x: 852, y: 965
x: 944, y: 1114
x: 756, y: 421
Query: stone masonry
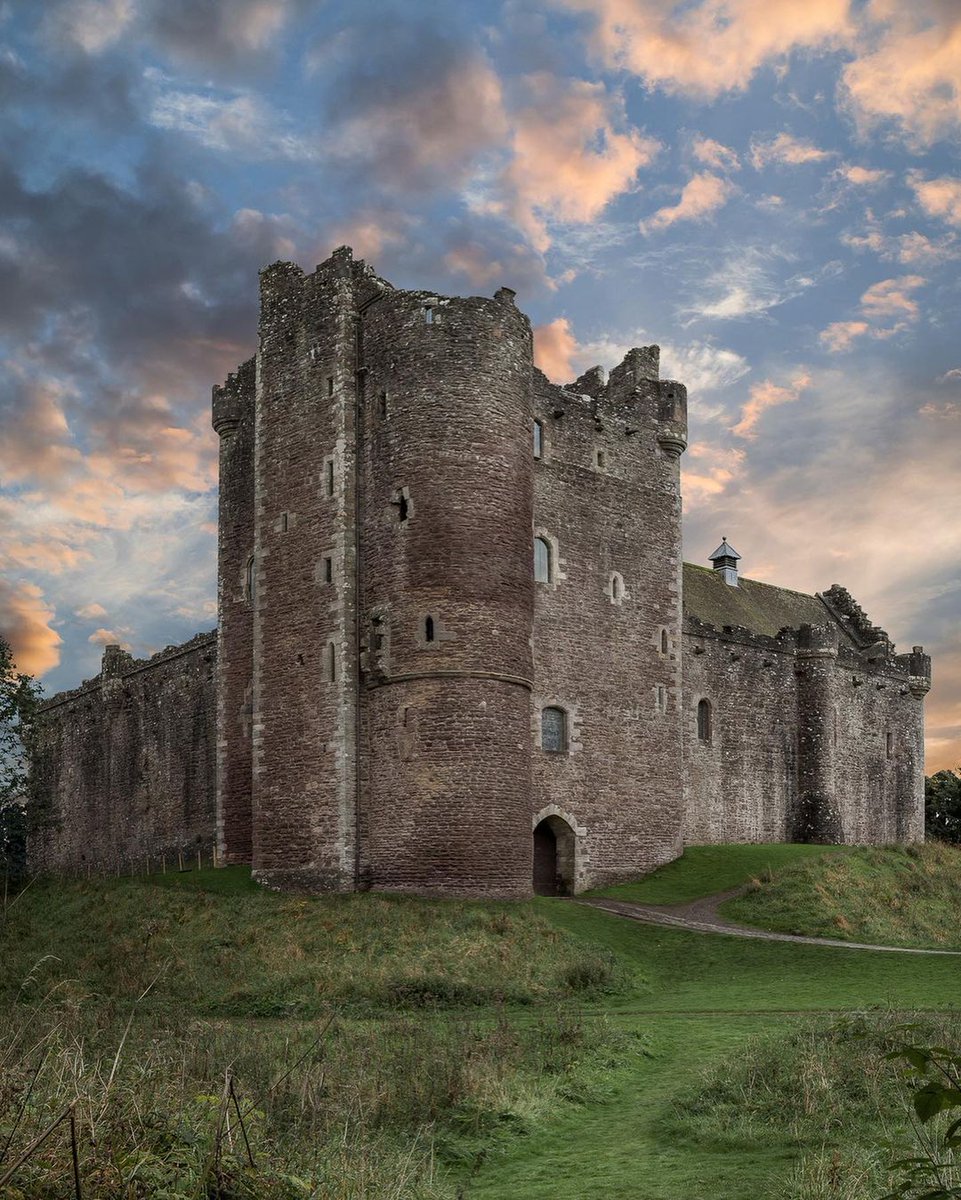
x: 403, y: 703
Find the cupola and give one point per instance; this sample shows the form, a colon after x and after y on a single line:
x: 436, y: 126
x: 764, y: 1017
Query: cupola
x: 724, y: 560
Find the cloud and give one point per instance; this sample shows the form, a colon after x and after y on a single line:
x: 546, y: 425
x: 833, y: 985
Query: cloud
x: 911, y: 249
x: 554, y: 350
x: 25, y: 624
x: 749, y: 283
x: 707, y: 472
x: 862, y: 176
x: 765, y: 395
x: 939, y: 198
x: 714, y: 154
x: 952, y: 374
x: 839, y: 335
x: 411, y: 107
x: 908, y: 72
x: 702, y: 195
x: 239, y: 123
x: 110, y: 637
x: 91, y: 612
x: 665, y: 43
x: 572, y: 153
x: 89, y: 25
x: 786, y: 150
x: 884, y: 301
x: 225, y: 34
x: 950, y: 410
x: 889, y: 298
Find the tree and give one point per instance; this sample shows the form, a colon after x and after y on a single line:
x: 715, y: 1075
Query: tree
x: 942, y: 805
x: 19, y: 705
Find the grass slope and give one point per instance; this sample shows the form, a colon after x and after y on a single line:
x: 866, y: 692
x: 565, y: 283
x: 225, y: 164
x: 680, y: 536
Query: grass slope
x: 885, y: 896
x: 705, y: 870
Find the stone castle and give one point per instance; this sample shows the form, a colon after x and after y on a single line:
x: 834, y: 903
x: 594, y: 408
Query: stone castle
x: 458, y: 651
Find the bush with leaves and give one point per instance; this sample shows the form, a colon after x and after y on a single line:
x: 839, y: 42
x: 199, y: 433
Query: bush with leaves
x: 942, y: 805
x: 933, y: 1075
x: 19, y: 703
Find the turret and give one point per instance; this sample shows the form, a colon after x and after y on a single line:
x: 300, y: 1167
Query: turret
x: 817, y: 815
x: 724, y: 561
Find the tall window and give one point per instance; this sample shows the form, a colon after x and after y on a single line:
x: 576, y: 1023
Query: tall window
x: 704, y: 723
x: 542, y: 560
x: 250, y: 580
x: 538, y: 439
x: 664, y: 641
x: 554, y: 730
x: 331, y: 663
x: 428, y: 629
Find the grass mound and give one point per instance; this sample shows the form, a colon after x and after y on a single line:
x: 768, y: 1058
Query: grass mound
x: 214, y: 944
x: 883, y: 895
x: 706, y: 870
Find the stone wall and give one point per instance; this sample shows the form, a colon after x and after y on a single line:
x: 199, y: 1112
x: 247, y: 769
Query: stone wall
x: 740, y: 785
x: 607, y: 622
x: 127, y: 769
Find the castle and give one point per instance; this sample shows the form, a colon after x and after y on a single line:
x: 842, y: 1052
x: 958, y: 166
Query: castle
x: 457, y: 649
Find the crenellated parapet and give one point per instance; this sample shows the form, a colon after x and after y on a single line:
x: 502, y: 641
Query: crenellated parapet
x: 853, y: 618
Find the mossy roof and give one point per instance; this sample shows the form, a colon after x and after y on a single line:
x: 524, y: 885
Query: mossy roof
x: 760, y: 607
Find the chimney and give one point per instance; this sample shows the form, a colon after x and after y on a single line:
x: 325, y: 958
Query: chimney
x: 724, y: 560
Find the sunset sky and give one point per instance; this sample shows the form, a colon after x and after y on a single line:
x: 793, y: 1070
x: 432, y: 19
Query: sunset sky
x: 770, y: 189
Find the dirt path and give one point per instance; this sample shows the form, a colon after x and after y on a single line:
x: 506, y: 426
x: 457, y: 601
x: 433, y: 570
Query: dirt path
x: 702, y: 916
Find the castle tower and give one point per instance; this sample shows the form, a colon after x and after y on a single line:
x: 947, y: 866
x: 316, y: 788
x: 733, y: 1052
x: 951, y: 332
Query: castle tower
x: 817, y: 815
x: 233, y: 421
x: 446, y: 507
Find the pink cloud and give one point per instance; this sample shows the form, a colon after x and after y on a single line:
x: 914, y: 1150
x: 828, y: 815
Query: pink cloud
x: 25, y: 624
x: 554, y: 349
x: 572, y: 153
x: 889, y: 298
x: 840, y: 334
x: 909, y: 70
x: 863, y: 176
x: 91, y: 612
x: 715, y: 154
x: 110, y: 637
x: 701, y: 196
x: 938, y: 197
x: 765, y: 395
x: 665, y: 42
x: 786, y: 150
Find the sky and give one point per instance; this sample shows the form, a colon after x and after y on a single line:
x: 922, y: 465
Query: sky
x: 768, y: 189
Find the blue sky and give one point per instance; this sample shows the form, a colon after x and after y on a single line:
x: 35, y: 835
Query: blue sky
x: 770, y: 191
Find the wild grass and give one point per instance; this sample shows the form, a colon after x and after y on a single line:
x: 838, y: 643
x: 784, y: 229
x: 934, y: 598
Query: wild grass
x: 827, y: 1091
x: 331, y: 1108
x: 898, y: 896
x: 212, y: 944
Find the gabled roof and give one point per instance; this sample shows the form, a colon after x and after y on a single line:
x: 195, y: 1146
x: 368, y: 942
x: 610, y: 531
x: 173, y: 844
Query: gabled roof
x: 760, y: 607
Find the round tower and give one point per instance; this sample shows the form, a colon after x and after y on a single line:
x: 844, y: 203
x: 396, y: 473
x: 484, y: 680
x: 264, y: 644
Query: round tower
x: 817, y: 816
x: 446, y: 586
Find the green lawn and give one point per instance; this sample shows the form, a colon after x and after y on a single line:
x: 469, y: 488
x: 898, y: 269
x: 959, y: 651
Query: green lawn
x: 477, y: 1050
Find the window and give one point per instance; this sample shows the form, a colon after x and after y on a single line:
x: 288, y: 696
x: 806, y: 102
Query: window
x: 538, y: 439
x: 554, y: 730
x: 428, y: 629
x: 382, y: 405
x: 542, y: 560
x: 600, y: 458
x: 331, y: 664
x: 330, y: 385
x: 889, y: 745
x: 284, y: 523
x: 402, y: 507
x: 428, y: 314
x: 329, y: 476
x: 617, y: 587
x: 661, y: 698
x: 664, y: 641
x: 250, y: 580
x: 704, y: 722
x: 328, y: 570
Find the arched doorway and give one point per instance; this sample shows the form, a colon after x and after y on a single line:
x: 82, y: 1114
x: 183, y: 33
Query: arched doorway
x: 553, y: 857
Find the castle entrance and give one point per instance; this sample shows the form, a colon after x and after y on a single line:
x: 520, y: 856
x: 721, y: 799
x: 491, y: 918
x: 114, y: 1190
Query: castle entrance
x: 553, y: 858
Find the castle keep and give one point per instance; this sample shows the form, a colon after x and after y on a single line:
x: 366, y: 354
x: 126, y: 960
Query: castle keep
x: 457, y: 648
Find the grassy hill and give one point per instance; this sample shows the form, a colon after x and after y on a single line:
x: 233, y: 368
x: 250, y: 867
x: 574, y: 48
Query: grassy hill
x: 885, y: 896
x: 385, y: 1047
